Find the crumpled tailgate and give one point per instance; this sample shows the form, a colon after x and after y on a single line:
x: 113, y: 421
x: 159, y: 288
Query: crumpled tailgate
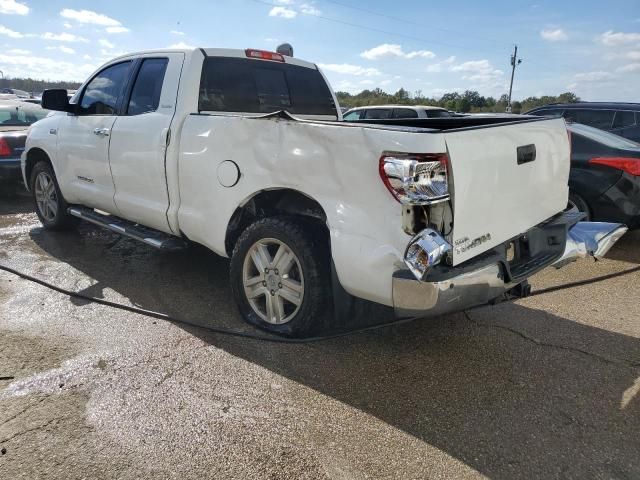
x: 506, y: 179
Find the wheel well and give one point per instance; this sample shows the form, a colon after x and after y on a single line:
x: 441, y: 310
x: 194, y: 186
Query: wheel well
x: 269, y: 203
x: 34, y: 156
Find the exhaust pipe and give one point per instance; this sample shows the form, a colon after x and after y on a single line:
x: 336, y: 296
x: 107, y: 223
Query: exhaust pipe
x: 590, y: 239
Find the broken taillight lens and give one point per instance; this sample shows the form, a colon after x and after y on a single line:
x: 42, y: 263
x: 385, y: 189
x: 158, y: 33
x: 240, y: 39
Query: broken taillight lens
x: 416, y: 179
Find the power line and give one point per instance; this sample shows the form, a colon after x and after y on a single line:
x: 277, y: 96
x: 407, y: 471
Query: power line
x: 411, y: 22
x: 365, y: 27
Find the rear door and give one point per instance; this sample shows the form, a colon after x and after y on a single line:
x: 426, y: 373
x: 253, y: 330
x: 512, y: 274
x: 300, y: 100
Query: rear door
x: 506, y: 179
x: 139, y: 140
x: 624, y: 124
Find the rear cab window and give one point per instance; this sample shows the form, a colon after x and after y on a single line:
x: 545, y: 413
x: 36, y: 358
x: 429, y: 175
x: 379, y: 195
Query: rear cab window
x: 244, y: 85
x: 377, y: 113
x: 404, y: 113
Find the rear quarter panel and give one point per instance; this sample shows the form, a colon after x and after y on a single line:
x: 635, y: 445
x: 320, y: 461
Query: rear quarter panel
x: 335, y: 165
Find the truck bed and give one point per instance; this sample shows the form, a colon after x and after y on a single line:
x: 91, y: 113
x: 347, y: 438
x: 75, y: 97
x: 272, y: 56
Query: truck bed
x: 450, y: 123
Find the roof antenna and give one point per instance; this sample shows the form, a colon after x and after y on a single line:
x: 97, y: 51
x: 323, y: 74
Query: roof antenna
x: 285, y: 49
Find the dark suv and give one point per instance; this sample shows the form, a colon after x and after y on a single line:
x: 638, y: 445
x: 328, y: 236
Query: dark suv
x: 620, y: 118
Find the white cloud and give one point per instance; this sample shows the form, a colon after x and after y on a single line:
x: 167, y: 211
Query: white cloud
x: 347, y: 69
x: 62, y: 49
x: 45, y: 68
x: 554, y: 35
x: 440, y: 66
x: 283, y: 12
x: 88, y: 16
x: 67, y: 25
x: 87, y: 57
x: 10, y: 33
x: 11, y: 7
x: 63, y: 37
x: 18, y: 51
x: 633, y: 55
x: 119, y: 29
x: 384, y: 83
x: 285, y: 2
x: 176, y: 32
x: 181, y: 45
x: 309, y: 9
x: 615, y: 39
x: 632, y: 67
x: 593, y: 76
x: 477, y: 70
x: 106, y: 43
x: 387, y: 50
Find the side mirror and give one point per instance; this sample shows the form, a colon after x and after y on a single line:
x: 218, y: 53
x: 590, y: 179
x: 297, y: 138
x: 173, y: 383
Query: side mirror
x: 56, y: 99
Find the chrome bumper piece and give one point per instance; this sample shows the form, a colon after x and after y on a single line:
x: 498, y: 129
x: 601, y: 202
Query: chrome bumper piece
x: 414, y: 298
x: 590, y: 239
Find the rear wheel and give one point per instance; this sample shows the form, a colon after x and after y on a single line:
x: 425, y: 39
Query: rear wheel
x: 578, y: 202
x: 47, y: 199
x: 279, y: 277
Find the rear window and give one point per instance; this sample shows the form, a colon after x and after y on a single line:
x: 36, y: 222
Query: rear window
x: 605, y: 138
x: 259, y: 86
x: 623, y: 118
x: 15, y: 116
x: 438, y: 114
x: 404, y: 113
x: 377, y: 113
x: 594, y: 118
x: 548, y: 112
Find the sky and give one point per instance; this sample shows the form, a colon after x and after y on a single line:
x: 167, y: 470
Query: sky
x: 591, y: 48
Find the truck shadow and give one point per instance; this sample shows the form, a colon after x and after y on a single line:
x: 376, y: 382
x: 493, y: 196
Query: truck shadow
x: 512, y: 392
x: 627, y: 248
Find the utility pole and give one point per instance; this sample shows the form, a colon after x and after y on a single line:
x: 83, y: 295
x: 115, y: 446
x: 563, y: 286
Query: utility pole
x: 514, y: 62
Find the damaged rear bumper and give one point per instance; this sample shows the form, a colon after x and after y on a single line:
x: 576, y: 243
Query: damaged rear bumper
x: 459, y: 288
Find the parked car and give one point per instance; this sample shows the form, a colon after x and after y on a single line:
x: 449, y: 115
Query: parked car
x: 395, y: 111
x: 15, y: 119
x: 604, y: 181
x: 620, y: 118
x: 319, y: 216
x: 16, y: 92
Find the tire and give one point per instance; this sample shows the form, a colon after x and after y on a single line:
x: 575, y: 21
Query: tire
x: 288, y: 295
x: 48, y: 201
x: 577, y: 201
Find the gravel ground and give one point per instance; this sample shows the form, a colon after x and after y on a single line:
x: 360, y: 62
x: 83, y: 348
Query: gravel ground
x: 545, y: 387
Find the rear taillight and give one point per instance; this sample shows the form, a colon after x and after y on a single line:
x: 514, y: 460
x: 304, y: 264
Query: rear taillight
x: 264, y: 55
x: 415, y: 179
x: 5, y: 149
x: 629, y: 165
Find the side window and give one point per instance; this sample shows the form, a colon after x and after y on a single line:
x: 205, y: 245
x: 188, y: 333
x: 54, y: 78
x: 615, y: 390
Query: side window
x: 602, y: 119
x: 101, y: 94
x: 145, y: 96
x: 355, y: 115
x: 377, y: 113
x: 623, y: 118
x: 404, y: 113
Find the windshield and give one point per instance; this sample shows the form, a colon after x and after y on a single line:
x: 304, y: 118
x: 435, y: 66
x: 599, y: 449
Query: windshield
x: 600, y: 136
x: 20, y: 115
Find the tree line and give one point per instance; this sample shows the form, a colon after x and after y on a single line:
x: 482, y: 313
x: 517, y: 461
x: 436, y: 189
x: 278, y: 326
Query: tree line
x: 35, y: 86
x: 468, y: 101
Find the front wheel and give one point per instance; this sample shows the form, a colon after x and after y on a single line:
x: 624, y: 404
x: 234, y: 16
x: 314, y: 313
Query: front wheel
x: 279, y: 277
x: 47, y: 199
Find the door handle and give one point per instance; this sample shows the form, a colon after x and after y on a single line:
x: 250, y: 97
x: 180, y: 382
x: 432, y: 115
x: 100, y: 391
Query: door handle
x: 101, y: 132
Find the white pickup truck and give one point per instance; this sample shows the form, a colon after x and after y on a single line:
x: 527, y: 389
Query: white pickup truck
x: 246, y: 152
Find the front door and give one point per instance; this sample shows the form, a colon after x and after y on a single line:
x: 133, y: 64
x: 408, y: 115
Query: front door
x: 84, y: 136
x: 139, y: 140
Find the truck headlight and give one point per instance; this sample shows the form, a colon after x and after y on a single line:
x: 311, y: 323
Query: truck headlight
x: 425, y: 250
x: 416, y: 179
